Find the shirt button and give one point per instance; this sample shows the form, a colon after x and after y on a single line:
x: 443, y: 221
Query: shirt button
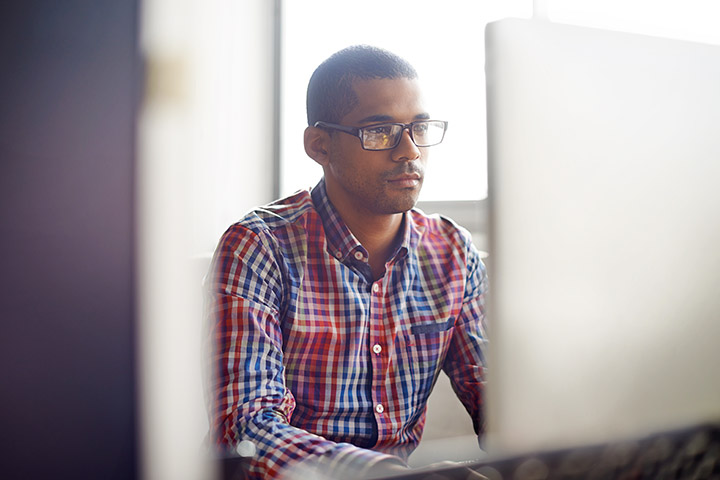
x: 379, y: 408
x: 376, y: 287
x: 377, y: 348
x: 338, y: 255
x: 359, y: 255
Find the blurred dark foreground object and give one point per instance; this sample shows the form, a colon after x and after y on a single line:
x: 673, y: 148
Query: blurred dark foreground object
x: 690, y: 453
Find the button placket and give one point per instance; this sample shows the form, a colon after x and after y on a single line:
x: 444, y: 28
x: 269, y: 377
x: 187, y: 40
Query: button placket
x: 377, y: 340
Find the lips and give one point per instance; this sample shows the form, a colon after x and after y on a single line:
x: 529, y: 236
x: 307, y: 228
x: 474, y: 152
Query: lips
x: 405, y: 177
x: 409, y: 180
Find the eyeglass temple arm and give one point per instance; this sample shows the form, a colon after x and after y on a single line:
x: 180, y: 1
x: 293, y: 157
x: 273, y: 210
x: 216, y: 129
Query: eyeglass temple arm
x: 351, y: 130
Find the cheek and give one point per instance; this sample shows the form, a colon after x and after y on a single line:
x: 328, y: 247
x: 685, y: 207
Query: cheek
x: 362, y: 165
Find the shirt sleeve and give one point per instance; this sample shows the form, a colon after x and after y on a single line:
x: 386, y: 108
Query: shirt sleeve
x: 465, y: 362
x: 248, y: 399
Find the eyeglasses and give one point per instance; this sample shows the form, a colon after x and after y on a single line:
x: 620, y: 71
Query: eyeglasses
x: 386, y: 136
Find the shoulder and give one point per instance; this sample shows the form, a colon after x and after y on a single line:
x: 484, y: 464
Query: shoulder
x: 280, y: 214
x: 440, y: 230
x: 283, y: 221
x: 444, y: 242
x: 442, y: 237
x: 286, y: 213
x: 263, y: 246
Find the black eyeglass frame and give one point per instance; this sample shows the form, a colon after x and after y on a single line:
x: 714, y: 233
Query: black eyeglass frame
x: 358, y: 132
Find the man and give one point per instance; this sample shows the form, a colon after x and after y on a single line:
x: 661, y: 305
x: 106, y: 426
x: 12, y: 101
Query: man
x: 333, y: 310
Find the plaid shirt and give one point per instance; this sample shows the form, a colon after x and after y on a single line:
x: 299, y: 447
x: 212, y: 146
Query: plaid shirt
x: 304, y: 341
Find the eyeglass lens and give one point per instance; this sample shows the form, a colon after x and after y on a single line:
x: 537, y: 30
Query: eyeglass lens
x: 387, y: 136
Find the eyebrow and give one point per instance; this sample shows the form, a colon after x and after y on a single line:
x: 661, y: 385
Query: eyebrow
x: 388, y: 118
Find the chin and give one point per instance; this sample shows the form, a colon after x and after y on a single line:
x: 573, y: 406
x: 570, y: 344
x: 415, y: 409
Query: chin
x: 404, y: 206
x: 394, y: 202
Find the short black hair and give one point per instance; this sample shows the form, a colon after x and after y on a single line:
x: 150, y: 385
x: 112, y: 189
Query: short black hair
x: 330, y: 95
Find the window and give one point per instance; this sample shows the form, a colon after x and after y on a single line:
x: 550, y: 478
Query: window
x: 693, y: 20
x: 443, y: 41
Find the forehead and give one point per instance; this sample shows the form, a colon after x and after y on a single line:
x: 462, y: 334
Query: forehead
x: 386, y: 99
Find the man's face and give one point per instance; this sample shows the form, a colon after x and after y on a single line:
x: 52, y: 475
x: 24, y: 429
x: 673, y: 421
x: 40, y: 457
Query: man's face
x: 378, y: 182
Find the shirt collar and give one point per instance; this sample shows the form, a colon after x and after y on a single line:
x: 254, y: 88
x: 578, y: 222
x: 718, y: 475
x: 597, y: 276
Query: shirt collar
x: 340, y: 240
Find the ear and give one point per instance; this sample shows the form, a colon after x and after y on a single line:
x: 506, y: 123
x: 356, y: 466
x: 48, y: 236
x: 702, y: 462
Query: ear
x: 317, y: 143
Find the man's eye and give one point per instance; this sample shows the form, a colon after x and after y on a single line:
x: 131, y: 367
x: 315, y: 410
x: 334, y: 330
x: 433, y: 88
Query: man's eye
x: 380, y: 130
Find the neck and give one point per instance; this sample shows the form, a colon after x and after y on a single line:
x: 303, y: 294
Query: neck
x: 378, y: 233
x: 379, y: 239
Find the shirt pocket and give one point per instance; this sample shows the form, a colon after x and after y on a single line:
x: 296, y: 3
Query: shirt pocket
x: 425, y: 328
x: 426, y: 345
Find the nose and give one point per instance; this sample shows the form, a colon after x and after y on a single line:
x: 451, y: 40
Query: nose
x: 406, y: 150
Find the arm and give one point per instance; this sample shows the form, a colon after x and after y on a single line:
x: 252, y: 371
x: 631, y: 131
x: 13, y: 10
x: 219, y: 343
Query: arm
x: 465, y: 362
x: 249, y: 398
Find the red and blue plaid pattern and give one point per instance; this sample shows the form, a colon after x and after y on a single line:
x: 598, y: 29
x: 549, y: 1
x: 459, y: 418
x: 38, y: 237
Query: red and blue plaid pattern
x: 304, y: 341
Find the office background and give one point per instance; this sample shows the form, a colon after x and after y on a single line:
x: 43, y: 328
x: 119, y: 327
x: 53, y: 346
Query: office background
x: 131, y: 134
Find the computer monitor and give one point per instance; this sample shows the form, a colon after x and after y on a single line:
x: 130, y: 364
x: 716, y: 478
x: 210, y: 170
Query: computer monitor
x: 604, y: 197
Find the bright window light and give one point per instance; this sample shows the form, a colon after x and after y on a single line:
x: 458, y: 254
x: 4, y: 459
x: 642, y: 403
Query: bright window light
x: 692, y: 20
x: 443, y: 41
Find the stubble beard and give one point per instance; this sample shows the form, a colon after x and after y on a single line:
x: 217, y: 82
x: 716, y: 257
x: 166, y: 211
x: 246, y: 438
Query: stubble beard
x: 376, y: 195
